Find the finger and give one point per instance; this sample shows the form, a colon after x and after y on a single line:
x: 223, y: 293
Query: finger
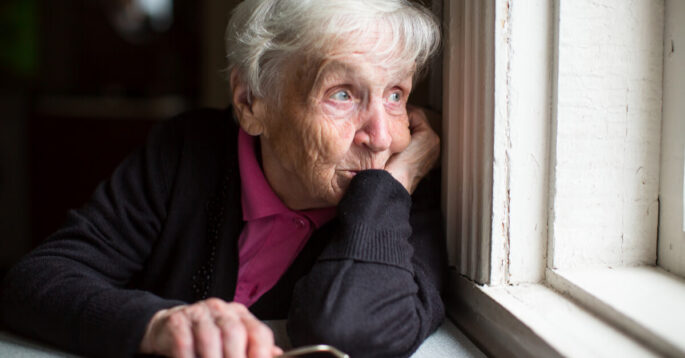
x: 276, y: 351
x: 233, y: 335
x: 206, y: 335
x: 260, y: 338
x: 177, y: 329
x: 219, y: 307
x: 418, y: 122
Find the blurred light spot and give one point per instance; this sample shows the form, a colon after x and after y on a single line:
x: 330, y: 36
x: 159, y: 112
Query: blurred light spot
x: 136, y: 20
x: 159, y: 12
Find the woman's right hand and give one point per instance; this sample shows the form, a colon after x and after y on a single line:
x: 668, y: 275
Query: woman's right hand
x: 211, y: 328
x: 413, y: 163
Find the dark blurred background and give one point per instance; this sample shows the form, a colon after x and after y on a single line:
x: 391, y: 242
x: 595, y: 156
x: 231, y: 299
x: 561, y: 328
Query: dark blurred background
x: 82, y: 82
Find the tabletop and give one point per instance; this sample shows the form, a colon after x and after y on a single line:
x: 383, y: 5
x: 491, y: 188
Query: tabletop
x: 447, y: 341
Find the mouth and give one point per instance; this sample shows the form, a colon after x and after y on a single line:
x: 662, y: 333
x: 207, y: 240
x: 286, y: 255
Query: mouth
x: 350, y: 173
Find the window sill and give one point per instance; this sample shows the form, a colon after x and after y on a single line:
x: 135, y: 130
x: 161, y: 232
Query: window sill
x: 534, y: 320
x: 644, y: 301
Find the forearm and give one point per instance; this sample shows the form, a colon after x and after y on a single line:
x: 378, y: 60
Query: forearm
x: 383, y: 317
x: 65, y: 303
x: 370, y: 293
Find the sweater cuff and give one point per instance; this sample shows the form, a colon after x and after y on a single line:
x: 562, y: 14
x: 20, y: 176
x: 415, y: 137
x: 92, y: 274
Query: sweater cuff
x: 124, y: 320
x: 374, y: 222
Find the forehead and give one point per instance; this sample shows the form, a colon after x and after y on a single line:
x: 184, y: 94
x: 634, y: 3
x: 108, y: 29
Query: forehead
x: 362, y: 67
x: 371, y: 53
x: 373, y: 58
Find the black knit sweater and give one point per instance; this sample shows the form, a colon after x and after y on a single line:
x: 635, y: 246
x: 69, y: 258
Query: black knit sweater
x: 163, y: 231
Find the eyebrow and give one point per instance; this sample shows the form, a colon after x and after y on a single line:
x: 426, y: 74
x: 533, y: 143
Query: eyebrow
x: 334, y: 66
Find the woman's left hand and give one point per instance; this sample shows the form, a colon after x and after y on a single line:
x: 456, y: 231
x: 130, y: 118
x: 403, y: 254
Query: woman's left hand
x: 413, y: 163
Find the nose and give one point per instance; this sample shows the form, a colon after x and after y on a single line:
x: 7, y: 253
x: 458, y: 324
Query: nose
x: 374, y: 131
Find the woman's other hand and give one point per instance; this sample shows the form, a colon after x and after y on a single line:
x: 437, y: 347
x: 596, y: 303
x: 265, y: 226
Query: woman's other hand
x: 211, y: 329
x: 413, y: 163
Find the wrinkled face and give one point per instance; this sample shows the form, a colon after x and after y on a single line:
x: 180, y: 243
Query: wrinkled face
x: 336, y: 117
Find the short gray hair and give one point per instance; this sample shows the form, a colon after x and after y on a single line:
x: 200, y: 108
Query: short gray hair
x: 263, y: 34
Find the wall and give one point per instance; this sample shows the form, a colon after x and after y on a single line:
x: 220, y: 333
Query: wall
x: 604, y: 206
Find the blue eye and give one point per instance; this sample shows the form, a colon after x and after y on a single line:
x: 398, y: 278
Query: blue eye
x: 395, y: 97
x: 341, y: 96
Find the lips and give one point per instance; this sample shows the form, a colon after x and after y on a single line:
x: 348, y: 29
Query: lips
x: 358, y: 170
x: 350, y: 173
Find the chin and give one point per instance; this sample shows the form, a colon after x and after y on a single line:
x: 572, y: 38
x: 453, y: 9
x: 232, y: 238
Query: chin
x: 327, y: 194
x: 339, y: 187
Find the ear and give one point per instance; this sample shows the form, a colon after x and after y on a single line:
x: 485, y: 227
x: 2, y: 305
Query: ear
x: 247, y: 108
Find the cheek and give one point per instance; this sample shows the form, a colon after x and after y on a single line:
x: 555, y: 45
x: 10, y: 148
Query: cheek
x: 340, y: 111
x: 401, y: 136
x: 326, y: 141
x: 337, y: 136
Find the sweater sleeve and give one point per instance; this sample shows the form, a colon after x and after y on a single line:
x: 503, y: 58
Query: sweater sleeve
x: 71, y: 291
x: 375, y: 289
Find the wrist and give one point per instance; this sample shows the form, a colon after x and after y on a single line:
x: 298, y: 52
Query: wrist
x: 404, y: 179
x: 146, y: 345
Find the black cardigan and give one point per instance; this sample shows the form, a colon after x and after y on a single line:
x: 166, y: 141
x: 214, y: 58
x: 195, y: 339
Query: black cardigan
x: 163, y: 231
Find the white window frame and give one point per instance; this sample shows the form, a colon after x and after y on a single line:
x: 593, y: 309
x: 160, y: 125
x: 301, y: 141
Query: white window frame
x: 499, y: 125
x: 672, y: 184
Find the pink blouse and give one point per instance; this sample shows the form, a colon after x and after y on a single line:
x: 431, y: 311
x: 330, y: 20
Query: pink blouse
x: 273, y: 235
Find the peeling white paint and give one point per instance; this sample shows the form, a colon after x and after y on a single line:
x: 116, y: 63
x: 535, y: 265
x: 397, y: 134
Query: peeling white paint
x: 501, y: 146
x: 499, y: 163
x: 529, y: 82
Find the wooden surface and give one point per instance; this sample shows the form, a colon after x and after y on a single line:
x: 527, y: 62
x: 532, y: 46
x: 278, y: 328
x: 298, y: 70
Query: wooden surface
x: 672, y: 201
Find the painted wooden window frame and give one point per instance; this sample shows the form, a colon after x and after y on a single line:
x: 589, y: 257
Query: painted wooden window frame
x: 500, y: 110
x: 672, y: 203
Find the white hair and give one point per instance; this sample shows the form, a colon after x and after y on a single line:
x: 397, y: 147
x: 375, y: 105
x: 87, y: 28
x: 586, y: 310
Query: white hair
x: 262, y: 35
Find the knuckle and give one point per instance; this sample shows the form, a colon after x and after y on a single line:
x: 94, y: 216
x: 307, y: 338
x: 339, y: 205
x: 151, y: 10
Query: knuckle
x: 263, y: 331
x: 237, y: 307
x: 197, y: 311
x: 177, y: 320
x: 418, y: 113
x: 214, y: 303
x: 194, y: 308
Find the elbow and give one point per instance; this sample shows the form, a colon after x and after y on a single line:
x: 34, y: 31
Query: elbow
x: 359, y: 334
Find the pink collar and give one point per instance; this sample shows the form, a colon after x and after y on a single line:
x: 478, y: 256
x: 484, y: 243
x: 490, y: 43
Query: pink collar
x: 258, y: 199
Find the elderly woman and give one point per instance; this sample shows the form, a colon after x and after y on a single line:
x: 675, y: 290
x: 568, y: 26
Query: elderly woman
x: 302, y: 210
